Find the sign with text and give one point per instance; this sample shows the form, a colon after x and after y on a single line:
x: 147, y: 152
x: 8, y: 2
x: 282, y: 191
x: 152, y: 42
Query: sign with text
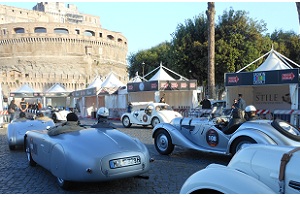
x: 161, y: 85
x: 285, y: 76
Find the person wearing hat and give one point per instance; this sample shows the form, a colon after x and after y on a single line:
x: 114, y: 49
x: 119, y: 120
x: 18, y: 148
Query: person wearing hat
x: 102, y: 117
x: 72, y: 124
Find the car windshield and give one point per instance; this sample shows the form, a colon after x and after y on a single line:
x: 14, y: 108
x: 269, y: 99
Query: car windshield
x: 163, y: 107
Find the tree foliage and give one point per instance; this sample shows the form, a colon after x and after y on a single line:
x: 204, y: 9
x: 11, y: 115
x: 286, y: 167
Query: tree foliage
x: 239, y: 40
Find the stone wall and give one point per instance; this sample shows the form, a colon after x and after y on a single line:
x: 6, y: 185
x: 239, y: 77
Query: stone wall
x: 44, y: 53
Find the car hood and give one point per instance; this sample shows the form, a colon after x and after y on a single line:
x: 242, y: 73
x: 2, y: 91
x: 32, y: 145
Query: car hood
x: 104, y: 140
x: 169, y: 115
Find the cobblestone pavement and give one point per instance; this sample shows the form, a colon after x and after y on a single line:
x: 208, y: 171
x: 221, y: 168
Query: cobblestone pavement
x: 166, y: 176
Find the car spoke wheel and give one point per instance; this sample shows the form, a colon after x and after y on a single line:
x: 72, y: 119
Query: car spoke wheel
x: 239, y: 142
x: 154, y: 122
x: 31, y: 162
x: 163, y: 142
x: 126, y: 122
x: 54, y: 118
x: 63, y: 183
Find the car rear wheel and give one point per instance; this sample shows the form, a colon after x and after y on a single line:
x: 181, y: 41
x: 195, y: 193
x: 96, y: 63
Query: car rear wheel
x: 54, y: 118
x: 239, y: 142
x: 12, y: 147
x: 63, y: 183
x: 163, y: 142
x: 31, y: 162
x: 154, y: 122
x: 126, y: 122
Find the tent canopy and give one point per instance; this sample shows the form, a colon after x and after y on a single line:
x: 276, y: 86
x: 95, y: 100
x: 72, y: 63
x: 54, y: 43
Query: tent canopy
x: 56, y: 91
x: 96, y: 83
x: 56, y: 88
x: 161, y: 74
x: 25, y: 89
x: 274, y: 61
x: 111, y: 84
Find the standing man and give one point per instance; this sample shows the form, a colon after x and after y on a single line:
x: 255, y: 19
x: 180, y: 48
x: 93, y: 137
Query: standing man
x: 241, y: 105
x: 23, y: 105
x: 206, y: 104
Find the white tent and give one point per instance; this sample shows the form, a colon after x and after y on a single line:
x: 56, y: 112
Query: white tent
x: 272, y: 63
x: 271, y: 86
x: 56, y: 88
x: 111, y: 84
x: 56, y: 96
x: 161, y: 74
x: 96, y: 83
x: 24, y: 91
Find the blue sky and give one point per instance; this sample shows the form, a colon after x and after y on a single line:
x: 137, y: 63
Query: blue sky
x: 147, y: 24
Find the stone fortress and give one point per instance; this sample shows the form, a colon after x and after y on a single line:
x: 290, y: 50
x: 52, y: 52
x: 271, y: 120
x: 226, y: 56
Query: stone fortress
x: 55, y: 43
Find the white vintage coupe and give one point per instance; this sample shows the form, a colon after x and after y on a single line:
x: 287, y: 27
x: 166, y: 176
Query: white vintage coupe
x: 255, y: 169
x: 150, y: 114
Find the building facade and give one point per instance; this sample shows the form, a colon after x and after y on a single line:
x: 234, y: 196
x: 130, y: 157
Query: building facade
x: 54, y: 43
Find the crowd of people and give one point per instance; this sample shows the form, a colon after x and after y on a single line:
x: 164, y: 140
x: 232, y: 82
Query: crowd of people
x: 24, y: 106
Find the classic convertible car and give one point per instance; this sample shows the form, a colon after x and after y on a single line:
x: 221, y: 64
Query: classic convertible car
x: 87, y: 155
x: 151, y: 114
x: 59, y: 114
x: 17, y: 129
x: 207, y: 135
x: 255, y: 169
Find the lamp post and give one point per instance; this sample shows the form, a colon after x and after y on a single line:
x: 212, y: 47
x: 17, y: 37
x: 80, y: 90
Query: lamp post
x: 143, y: 65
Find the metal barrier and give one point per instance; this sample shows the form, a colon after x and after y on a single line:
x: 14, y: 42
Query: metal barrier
x: 4, y: 114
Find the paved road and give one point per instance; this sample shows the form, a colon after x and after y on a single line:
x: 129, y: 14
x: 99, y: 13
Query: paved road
x: 166, y: 176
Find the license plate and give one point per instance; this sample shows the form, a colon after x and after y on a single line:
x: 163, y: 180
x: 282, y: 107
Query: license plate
x: 123, y: 162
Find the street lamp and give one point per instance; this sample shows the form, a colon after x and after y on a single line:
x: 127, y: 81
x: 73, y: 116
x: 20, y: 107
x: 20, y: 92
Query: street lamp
x: 143, y: 65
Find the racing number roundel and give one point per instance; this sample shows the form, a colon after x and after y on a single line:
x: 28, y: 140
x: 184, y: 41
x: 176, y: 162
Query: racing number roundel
x: 145, y: 118
x: 212, y: 138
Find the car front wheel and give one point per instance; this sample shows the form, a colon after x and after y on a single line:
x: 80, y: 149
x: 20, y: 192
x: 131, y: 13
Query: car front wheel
x: 239, y: 142
x: 163, y: 142
x: 154, y: 122
x: 126, y: 122
x: 31, y: 162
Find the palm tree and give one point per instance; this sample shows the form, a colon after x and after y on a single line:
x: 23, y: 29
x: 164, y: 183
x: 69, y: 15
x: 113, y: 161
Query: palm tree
x: 211, y: 49
x: 298, y: 10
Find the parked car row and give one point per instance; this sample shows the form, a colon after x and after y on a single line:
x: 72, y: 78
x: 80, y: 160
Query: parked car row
x: 265, y: 153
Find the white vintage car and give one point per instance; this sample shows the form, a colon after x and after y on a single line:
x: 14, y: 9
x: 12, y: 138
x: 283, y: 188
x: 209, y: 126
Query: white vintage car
x: 255, y: 169
x: 150, y: 114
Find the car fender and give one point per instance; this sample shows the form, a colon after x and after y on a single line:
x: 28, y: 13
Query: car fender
x: 58, y: 162
x: 257, y: 135
x: 217, y: 178
x: 176, y: 136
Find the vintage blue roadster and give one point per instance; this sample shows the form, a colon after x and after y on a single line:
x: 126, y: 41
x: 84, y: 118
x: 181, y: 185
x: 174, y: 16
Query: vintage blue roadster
x: 207, y: 135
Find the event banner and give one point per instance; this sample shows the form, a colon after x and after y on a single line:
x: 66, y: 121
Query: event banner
x: 285, y: 76
x: 161, y: 85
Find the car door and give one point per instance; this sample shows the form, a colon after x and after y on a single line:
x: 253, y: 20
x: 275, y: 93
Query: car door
x: 42, y: 143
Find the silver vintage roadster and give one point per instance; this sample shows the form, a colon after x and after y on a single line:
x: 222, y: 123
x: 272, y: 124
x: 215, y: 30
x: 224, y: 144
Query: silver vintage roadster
x: 87, y: 154
x: 208, y: 135
x: 18, y: 127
